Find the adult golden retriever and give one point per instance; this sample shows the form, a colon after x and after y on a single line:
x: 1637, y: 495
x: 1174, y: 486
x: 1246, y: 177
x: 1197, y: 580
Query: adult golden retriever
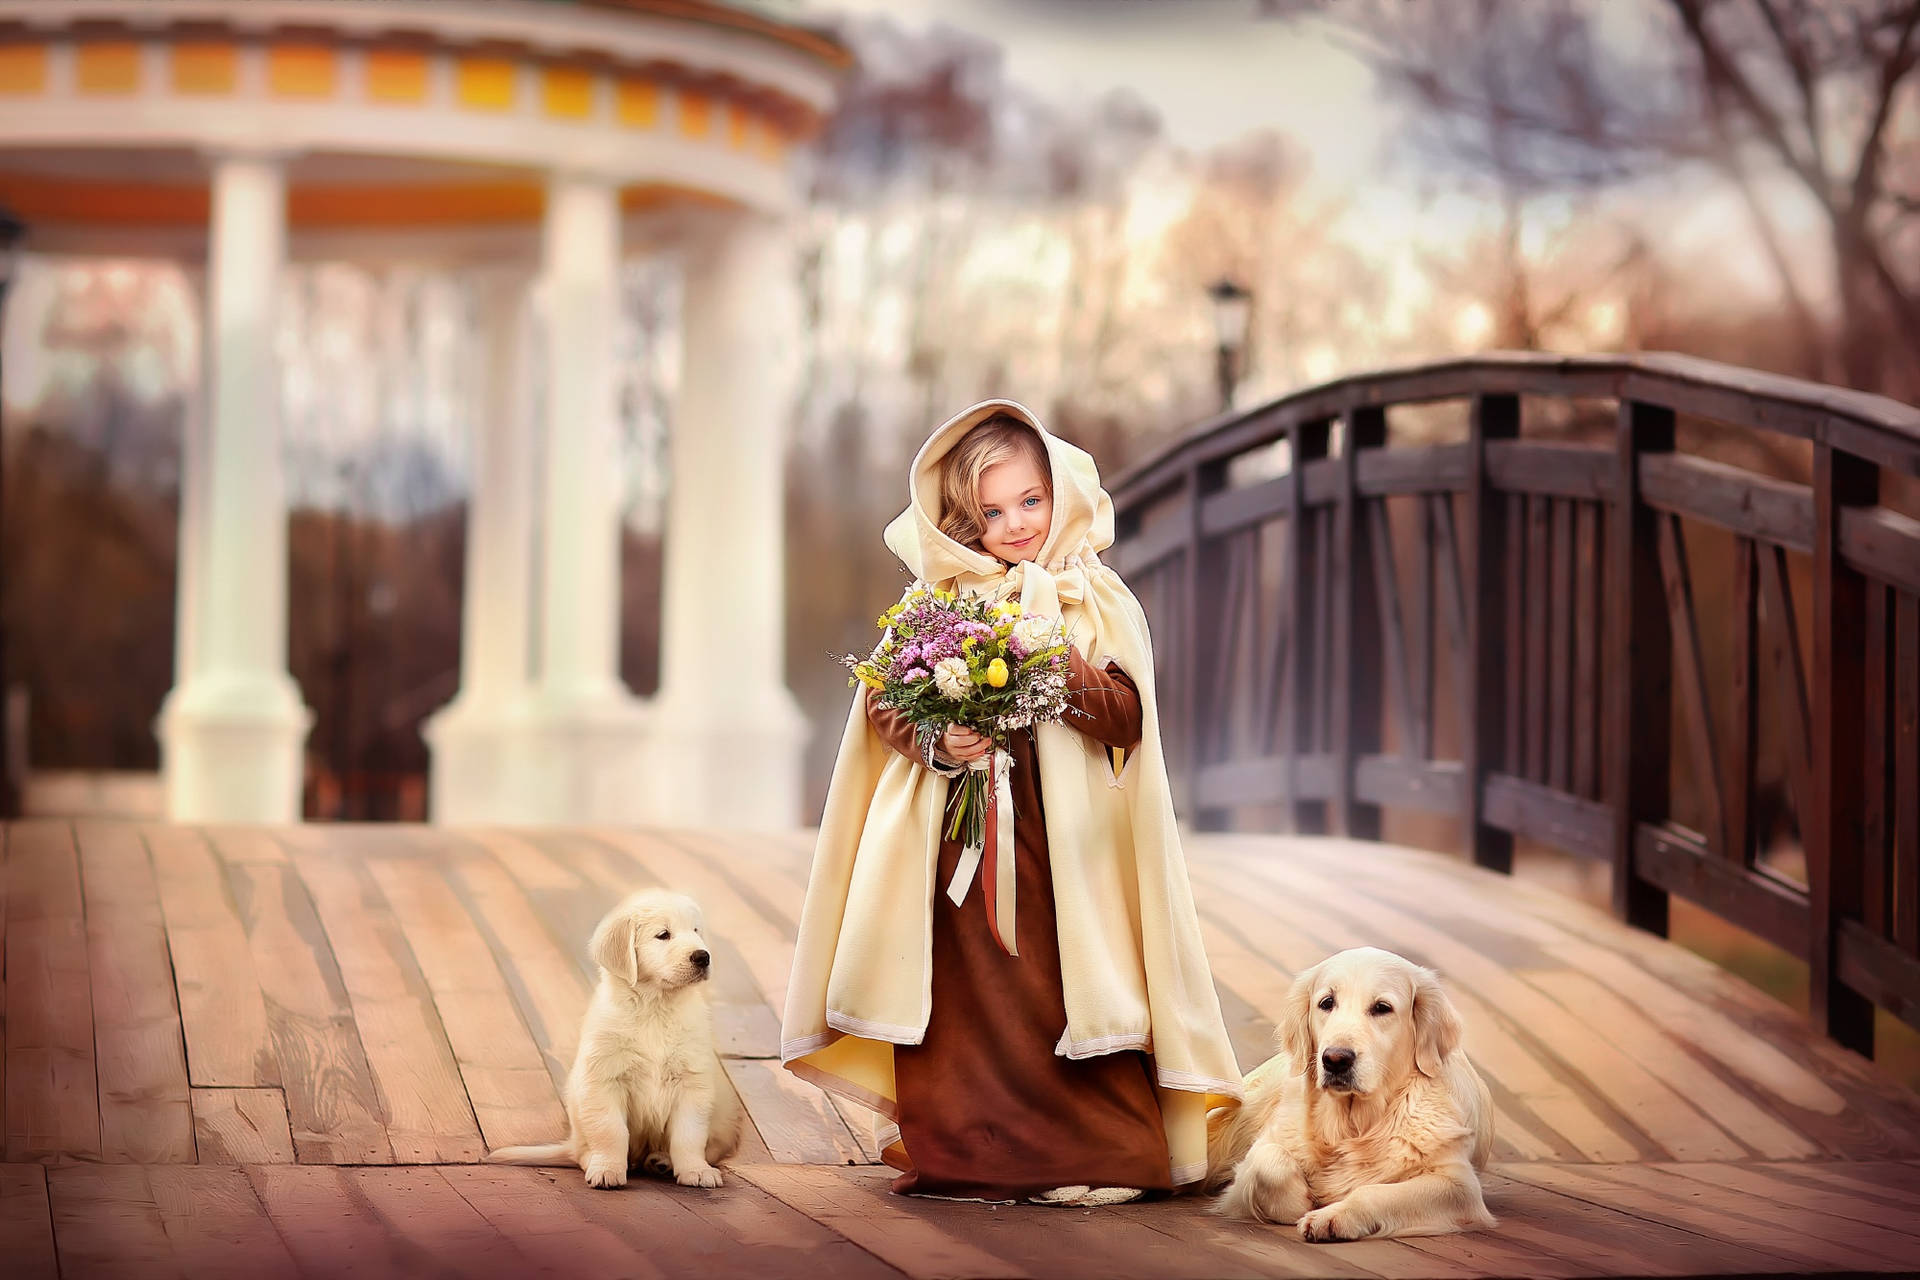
x: 1370, y: 1121
x: 647, y: 1086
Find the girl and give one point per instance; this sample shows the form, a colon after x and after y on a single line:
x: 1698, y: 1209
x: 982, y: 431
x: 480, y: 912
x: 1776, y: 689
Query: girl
x: 1043, y: 1026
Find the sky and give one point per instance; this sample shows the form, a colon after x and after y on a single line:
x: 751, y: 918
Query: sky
x: 1212, y: 69
x: 1216, y: 71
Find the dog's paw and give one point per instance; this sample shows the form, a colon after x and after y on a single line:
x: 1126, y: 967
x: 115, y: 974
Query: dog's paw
x: 606, y: 1173
x: 658, y: 1164
x: 1332, y: 1223
x: 1263, y: 1191
x: 703, y: 1176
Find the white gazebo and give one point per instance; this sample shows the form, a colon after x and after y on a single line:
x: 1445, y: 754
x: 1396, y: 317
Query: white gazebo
x: 544, y: 140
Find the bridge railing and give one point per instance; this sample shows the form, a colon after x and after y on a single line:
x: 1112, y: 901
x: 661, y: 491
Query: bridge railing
x: 1626, y: 651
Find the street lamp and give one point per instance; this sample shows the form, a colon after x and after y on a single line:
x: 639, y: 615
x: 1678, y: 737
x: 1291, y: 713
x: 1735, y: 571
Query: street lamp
x: 1232, y: 309
x: 12, y: 234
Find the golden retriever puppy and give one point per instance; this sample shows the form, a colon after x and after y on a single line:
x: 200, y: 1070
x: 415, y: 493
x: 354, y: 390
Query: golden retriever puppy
x: 1370, y: 1121
x: 647, y: 1086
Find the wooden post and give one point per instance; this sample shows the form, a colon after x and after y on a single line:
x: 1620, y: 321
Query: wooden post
x: 1307, y: 442
x: 1835, y: 830
x: 1743, y: 744
x: 1358, y: 669
x: 1638, y: 676
x: 1203, y: 596
x: 1483, y: 744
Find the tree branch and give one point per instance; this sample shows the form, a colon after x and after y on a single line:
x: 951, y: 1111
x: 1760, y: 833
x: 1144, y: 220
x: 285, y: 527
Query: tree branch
x: 1866, y: 173
x: 1795, y: 53
x: 1724, y: 76
x: 1606, y: 153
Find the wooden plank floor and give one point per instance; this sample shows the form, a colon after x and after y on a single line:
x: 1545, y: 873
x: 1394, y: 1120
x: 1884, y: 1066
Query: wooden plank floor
x: 282, y: 1052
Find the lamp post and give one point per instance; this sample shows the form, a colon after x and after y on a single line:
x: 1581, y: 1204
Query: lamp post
x: 12, y: 232
x: 1232, y: 309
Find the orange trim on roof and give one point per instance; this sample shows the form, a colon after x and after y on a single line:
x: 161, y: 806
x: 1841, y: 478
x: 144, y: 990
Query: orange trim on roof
x: 487, y: 83
x: 396, y: 75
x: 106, y: 66
x: 506, y: 202
x: 696, y: 113
x: 204, y: 67
x: 23, y: 69
x: 415, y: 205
x: 301, y: 70
x: 639, y: 103
x: 567, y: 92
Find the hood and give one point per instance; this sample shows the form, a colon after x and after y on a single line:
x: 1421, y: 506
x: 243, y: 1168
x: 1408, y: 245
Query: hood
x: 1082, y: 510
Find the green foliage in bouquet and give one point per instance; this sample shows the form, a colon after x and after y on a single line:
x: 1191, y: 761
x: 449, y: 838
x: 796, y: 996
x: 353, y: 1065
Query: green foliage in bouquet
x: 947, y: 658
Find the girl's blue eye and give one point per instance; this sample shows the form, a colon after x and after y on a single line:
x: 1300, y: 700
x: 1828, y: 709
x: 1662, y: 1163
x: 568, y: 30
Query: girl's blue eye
x: 992, y: 513
x: 1031, y: 501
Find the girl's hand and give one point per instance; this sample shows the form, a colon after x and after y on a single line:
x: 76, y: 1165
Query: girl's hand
x: 964, y: 744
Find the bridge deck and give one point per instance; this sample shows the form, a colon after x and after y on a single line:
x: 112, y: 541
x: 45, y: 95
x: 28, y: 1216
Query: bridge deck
x: 281, y: 1052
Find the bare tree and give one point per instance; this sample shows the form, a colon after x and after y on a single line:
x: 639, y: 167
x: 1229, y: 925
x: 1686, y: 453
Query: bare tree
x: 1556, y: 95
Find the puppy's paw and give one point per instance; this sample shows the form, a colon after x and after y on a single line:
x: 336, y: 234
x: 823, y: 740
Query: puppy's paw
x: 657, y: 1164
x: 698, y: 1176
x: 1334, y: 1222
x: 606, y: 1173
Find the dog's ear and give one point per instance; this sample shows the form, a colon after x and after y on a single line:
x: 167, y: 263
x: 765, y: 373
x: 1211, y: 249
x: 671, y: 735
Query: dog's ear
x: 614, y: 946
x: 1295, y: 1031
x: 1436, y: 1024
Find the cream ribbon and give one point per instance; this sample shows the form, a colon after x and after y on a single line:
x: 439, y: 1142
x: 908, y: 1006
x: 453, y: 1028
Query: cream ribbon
x: 1042, y: 591
x: 1003, y: 887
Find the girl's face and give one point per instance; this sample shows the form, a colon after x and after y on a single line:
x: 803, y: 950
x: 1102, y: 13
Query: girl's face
x: 1018, y: 511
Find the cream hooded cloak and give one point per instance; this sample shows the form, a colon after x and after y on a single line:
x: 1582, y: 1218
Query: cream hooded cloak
x: 1134, y: 972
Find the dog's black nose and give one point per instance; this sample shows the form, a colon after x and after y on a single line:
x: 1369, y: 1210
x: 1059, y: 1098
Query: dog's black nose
x: 1337, y: 1061
x: 701, y: 960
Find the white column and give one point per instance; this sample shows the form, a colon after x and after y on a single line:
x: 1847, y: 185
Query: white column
x: 579, y: 564
x: 585, y: 730
x: 233, y: 727
x: 725, y: 734
x: 190, y: 558
x: 474, y: 740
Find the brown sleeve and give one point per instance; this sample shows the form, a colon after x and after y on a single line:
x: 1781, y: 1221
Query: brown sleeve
x: 1110, y: 700
x: 897, y: 732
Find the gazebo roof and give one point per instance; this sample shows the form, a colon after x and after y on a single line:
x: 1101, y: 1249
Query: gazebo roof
x: 395, y: 113
x: 738, y: 17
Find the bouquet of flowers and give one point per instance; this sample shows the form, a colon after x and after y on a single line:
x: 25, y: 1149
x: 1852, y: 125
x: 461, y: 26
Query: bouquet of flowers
x: 947, y: 658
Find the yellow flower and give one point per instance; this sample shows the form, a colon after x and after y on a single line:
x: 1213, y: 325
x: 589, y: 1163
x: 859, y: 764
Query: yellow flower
x: 997, y: 672
x: 969, y: 642
x: 872, y: 681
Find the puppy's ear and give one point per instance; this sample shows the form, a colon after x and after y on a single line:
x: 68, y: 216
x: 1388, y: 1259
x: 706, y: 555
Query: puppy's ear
x: 614, y: 946
x: 1295, y: 1031
x: 1436, y: 1024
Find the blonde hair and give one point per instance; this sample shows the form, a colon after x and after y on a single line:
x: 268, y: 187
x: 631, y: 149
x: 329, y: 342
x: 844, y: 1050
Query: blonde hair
x: 999, y: 439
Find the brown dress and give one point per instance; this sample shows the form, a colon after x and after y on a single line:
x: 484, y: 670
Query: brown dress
x: 987, y: 1109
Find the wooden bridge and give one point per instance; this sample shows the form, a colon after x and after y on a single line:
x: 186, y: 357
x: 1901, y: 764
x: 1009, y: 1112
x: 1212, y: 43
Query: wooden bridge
x: 268, y: 1052
x: 282, y: 1052
x: 1391, y: 593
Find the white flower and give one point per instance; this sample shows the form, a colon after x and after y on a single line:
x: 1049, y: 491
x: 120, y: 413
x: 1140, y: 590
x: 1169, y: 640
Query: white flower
x: 950, y: 674
x: 1035, y: 632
